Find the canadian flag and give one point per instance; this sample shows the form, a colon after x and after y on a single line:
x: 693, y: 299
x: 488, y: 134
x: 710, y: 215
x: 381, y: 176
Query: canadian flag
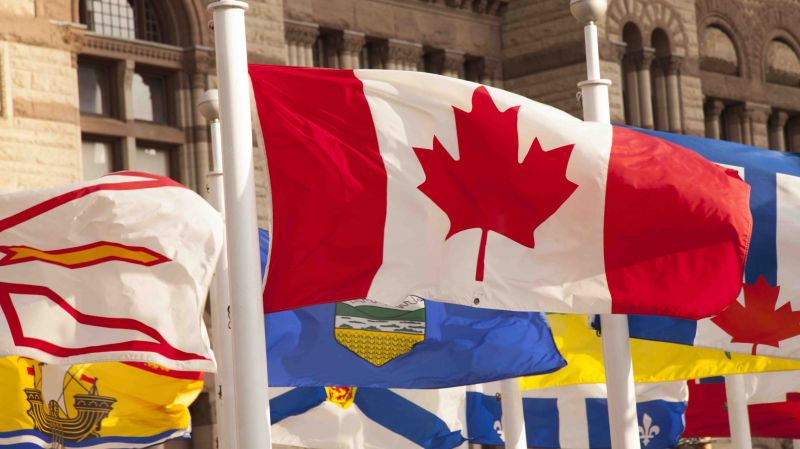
x: 387, y: 184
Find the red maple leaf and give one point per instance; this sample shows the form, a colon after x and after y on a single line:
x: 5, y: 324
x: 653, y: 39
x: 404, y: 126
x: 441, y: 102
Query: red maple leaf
x: 758, y: 322
x: 487, y: 187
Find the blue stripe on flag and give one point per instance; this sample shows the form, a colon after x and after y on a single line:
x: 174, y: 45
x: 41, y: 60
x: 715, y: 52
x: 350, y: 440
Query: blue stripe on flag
x: 136, y: 441
x: 295, y: 402
x: 661, y: 328
x: 483, y: 419
x: 541, y: 422
x: 405, y: 418
x: 712, y: 380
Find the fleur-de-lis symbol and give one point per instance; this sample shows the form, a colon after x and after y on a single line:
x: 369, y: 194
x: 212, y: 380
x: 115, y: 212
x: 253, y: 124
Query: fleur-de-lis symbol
x: 498, y: 427
x: 649, y: 431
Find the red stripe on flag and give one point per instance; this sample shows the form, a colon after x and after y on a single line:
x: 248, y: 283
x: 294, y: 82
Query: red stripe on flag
x: 707, y: 416
x: 670, y: 218
x: 328, y: 185
x: 86, y: 378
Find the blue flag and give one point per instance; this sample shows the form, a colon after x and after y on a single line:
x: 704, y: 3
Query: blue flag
x: 420, y: 344
x: 766, y: 319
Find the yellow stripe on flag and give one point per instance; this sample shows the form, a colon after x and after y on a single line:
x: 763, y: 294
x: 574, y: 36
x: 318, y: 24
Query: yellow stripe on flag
x: 82, y: 256
x: 652, y: 361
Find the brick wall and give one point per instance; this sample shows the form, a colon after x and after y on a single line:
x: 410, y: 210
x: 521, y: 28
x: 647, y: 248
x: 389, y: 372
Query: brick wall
x: 39, y: 121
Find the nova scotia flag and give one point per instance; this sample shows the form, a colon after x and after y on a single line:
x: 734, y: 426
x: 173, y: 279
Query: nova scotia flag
x: 766, y: 319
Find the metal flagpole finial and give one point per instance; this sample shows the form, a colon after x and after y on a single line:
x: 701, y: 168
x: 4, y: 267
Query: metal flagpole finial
x: 209, y: 105
x: 227, y: 4
x: 587, y: 11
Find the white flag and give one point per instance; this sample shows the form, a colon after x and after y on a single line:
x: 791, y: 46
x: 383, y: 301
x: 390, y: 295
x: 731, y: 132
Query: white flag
x: 369, y: 418
x: 112, y: 269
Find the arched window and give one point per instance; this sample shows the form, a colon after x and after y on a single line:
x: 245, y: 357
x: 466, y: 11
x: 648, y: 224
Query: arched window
x: 125, y: 19
x: 718, y: 52
x: 782, y: 64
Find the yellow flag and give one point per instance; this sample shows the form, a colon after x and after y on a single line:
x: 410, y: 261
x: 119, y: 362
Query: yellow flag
x: 130, y: 404
x: 652, y: 361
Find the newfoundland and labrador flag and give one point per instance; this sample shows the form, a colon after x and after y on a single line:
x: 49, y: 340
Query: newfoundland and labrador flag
x: 97, y: 405
x: 418, y: 344
x: 390, y: 184
x: 577, y: 416
x: 766, y: 318
x: 116, y: 268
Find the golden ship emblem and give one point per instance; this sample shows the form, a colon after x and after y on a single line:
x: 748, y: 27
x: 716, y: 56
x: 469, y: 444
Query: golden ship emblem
x: 53, y: 418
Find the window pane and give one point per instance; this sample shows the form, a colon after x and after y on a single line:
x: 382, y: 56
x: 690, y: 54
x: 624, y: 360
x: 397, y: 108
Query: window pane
x: 150, y: 98
x: 98, y: 159
x: 93, y: 89
x: 153, y: 160
x: 111, y: 18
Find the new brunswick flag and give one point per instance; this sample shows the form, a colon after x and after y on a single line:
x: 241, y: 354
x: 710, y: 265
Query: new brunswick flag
x: 99, y: 405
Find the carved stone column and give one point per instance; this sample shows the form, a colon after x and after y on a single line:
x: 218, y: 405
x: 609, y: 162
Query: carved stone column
x: 713, y: 114
x: 671, y: 68
x: 403, y: 55
x: 732, y: 121
x: 643, y: 60
x: 758, y: 115
x: 777, y: 130
x: 660, y: 88
x: 631, y: 93
x: 300, y: 39
x: 452, y: 63
x: 351, y: 44
x: 492, y: 73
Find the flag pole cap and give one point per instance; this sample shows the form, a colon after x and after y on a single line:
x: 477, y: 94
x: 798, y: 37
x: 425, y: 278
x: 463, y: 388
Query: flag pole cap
x: 227, y: 4
x: 588, y: 10
x: 209, y: 105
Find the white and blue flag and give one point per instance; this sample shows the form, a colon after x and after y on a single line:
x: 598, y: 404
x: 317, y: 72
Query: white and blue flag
x: 576, y: 416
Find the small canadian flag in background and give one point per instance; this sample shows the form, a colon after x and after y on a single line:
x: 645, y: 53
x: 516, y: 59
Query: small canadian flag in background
x: 387, y: 184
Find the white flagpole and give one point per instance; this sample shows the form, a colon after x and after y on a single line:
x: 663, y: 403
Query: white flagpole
x: 738, y: 417
x: 247, y: 312
x: 220, y: 288
x: 513, y: 418
x: 623, y: 423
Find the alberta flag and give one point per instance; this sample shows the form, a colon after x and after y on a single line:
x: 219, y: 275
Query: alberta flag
x: 576, y: 416
x: 419, y: 344
x: 765, y: 319
x: 389, y: 184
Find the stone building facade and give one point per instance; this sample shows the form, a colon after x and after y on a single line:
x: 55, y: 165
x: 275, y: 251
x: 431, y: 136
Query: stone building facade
x: 91, y: 86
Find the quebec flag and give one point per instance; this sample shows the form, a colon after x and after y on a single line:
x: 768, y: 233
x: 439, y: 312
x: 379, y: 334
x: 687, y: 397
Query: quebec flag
x: 766, y: 318
x: 418, y: 344
x: 576, y: 416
